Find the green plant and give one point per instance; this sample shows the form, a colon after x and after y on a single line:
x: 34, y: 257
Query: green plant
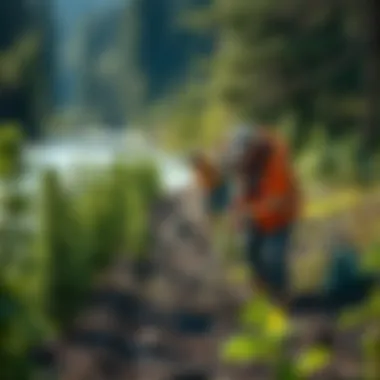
x: 263, y: 330
x: 10, y: 150
x: 312, y: 360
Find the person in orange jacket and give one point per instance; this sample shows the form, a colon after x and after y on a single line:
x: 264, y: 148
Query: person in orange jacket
x: 268, y: 202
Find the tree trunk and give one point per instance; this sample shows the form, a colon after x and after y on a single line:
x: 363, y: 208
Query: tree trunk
x: 370, y: 132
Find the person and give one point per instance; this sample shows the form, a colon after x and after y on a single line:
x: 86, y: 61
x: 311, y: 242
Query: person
x: 268, y: 203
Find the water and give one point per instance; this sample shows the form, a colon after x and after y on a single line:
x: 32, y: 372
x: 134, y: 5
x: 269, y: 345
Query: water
x: 68, y: 156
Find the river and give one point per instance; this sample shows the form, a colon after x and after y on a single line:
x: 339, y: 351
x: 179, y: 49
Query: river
x: 70, y: 155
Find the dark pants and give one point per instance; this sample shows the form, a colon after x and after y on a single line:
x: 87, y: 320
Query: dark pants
x: 267, y: 255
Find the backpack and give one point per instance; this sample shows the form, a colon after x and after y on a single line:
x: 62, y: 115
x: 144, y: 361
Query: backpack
x: 254, y: 167
x: 344, y: 268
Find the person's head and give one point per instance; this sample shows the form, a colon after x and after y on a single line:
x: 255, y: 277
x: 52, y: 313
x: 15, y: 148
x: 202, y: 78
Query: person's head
x: 242, y: 142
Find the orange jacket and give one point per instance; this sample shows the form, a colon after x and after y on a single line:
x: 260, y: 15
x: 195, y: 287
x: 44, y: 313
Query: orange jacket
x: 277, y: 201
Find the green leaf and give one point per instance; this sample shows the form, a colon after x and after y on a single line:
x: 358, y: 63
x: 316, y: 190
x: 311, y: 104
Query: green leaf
x: 313, y: 360
x: 255, y: 313
x: 240, y: 349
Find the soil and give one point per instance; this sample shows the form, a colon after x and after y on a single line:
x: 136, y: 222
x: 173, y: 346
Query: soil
x: 140, y: 314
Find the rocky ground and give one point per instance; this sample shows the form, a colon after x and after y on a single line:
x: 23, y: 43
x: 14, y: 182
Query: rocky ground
x: 168, y: 318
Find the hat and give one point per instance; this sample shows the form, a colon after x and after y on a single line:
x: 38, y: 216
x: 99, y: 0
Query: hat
x: 239, y: 142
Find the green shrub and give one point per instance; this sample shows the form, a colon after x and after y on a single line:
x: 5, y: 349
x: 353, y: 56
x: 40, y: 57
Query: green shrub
x: 10, y: 150
x: 78, y: 235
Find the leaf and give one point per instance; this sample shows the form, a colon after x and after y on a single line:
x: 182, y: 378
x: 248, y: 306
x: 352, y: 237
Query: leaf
x: 255, y: 313
x: 240, y: 349
x: 313, y: 360
x: 277, y: 323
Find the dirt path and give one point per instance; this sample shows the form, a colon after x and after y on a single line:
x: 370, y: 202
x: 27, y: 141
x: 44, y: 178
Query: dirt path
x: 175, y: 320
